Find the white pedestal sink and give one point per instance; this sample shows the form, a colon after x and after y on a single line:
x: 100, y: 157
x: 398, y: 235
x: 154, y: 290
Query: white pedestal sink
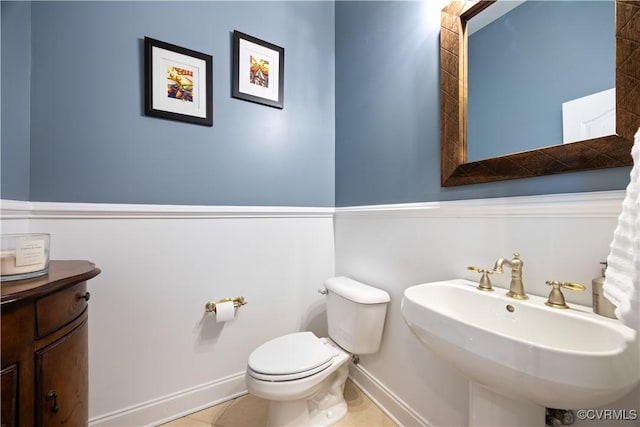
x: 523, y: 354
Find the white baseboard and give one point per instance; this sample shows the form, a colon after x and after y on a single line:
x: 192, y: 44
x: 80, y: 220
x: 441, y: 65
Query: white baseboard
x: 175, y: 405
x: 185, y: 402
x: 399, y: 412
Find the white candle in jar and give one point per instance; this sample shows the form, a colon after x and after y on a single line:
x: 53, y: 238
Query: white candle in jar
x: 29, y: 256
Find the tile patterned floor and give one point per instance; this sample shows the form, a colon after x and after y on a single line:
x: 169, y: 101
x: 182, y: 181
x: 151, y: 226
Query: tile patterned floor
x: 251, y: 411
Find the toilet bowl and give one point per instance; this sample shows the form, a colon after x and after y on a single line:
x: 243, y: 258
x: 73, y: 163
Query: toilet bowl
x: 303, y: 376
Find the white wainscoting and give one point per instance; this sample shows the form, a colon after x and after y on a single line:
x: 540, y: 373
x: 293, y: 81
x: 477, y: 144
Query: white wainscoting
x: 153, y: 351
x: 561, y: 237
x: 155, y: 355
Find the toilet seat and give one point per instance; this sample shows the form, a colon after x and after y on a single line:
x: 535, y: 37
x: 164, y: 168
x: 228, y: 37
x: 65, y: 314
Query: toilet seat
x: 290, y: 357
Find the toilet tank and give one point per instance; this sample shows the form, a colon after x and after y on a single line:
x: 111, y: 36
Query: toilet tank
x: 355, y: 314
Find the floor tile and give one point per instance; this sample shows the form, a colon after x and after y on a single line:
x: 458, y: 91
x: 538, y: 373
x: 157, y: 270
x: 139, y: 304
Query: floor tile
x: 247, y: 410
x: 251, y: 411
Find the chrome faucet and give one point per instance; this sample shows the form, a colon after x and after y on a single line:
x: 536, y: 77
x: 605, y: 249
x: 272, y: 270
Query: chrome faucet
x: 516, y: 288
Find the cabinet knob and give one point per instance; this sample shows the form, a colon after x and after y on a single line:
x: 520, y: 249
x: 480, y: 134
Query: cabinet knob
x: 85, y: 297
x: 53, y: 395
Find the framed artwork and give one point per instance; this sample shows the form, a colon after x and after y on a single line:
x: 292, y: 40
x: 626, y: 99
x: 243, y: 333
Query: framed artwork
x: 178, y: 83
x: 258, y: 71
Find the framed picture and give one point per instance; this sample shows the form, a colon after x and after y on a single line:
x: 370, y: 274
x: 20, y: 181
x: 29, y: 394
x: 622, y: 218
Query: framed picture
x: 258, y: 70
x: 178, y: 83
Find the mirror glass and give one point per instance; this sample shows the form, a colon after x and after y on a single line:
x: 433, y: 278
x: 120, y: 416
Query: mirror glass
x: 540, y: 74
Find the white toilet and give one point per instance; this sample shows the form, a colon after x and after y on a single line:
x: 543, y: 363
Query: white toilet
x: 302, y: 375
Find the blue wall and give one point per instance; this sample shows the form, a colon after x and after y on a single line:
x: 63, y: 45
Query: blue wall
x: 388, y: 113
x: 90, y: 139
x: 16, y: 90
x: 82, y: 136
x: 537, y: 54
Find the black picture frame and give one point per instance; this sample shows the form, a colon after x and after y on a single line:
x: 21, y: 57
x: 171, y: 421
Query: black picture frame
x: 178, y: 83
x: 251, y: 54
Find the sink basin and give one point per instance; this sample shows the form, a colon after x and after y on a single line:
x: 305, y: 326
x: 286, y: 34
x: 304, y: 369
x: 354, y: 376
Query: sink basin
x: 524, y: 349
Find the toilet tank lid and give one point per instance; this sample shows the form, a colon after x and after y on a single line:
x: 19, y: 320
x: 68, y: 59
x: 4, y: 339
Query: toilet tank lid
x: 356, y: 291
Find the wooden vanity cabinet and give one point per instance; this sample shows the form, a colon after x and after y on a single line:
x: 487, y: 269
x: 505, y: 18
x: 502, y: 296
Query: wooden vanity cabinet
x: 44, y: 349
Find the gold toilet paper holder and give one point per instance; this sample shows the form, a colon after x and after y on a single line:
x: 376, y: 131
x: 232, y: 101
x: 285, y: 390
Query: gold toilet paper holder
x: 237, y: 302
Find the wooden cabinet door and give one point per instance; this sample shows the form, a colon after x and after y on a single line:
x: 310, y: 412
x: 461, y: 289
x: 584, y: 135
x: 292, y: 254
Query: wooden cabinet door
x: 9, y: 391
x: 62, y: 380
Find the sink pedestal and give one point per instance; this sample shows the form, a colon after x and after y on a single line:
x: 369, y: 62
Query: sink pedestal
x: 487, y: 408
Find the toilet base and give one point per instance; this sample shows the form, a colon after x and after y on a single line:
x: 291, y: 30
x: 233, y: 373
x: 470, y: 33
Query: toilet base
x: 325, y: 408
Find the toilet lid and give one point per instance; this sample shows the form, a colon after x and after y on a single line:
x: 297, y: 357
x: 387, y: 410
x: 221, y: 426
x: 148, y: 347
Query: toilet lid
x: 296, y: 353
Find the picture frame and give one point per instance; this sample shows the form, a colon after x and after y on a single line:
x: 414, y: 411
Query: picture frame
x: 258, y: 71
x: 178, y: 83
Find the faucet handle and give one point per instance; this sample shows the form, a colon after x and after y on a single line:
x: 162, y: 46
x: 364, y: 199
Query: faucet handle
x: 485, y: 282
x: 556, y: 298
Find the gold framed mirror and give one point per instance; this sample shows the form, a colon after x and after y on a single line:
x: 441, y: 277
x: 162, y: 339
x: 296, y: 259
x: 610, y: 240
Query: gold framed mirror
x: 598, y: 153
